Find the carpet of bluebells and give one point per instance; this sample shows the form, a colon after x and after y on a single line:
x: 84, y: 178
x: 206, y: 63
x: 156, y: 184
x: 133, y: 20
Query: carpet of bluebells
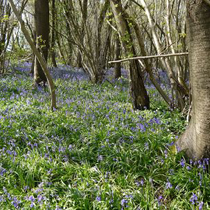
x: 94, y: 151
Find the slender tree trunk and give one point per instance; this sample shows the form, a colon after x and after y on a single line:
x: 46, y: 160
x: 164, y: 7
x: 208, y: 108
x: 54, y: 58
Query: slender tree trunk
x: 42, y: 36
x: 117, y: 72
x: 148, y: 66
x: 196, y: 138
x: 84, y: 20
x: 139, y: 96
x: 176, y: 86
x: 53, y: 55
x: 33, y: 33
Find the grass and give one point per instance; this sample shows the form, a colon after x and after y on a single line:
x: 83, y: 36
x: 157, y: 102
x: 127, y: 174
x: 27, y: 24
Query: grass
x: 94, y: 151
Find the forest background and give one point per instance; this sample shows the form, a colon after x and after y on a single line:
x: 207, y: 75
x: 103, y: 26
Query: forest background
x: 109, y: 138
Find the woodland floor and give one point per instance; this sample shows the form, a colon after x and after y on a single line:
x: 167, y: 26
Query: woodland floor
x: 94, y: 151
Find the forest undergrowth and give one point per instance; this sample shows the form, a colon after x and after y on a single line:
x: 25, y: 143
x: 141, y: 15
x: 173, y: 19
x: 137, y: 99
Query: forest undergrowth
x: 94, y: 151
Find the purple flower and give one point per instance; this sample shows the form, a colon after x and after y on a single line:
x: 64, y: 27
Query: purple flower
x: 32, y: 205
x: 137, y: 184
x: 40, y: 198
x: 61, y: 149
x: 201, y: 205
x: 142, y: 182
x: 98, y: 198
x: 157, y: 121
x: 49, y: 183
x: 15, y: 204
x: 146, y: 145
x: 26, y: 188
x: 2, y: 199
x: 70, y: 147
x: 3, y: 171
x: 166, y: 153
x: 31, y: 198
x: 193, y: 198
x: 207, y: 161
x: 124, y: 202
x: 9, y: 152
x: 168, y: 185
x: 160, y: 197
x: 141, y: 127
x: 182, y: 163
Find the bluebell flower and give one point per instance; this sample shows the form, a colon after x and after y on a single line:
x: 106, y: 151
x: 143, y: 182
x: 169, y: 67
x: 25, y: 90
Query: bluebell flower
x: 188, y: 168
x: 168, y: 185
x: 142, y: 182
x: 2, y: 199
x: 193, y: 198
x: 32, y: 204
x: 124, y: 202
x: 182, y: 163
x: 146, y: 146
x: 201, y: 205
x: 3, y: 171
x: 98, y: 198
x: 40, y: 198
x: 15, y: 204
x: 26, y: 188
x: 31, y: 198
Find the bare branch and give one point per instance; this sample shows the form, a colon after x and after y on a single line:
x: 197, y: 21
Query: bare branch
x: 149, y: 57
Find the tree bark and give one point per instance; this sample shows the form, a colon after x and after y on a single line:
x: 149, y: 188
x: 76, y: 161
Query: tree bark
x: 53, y: 55
x: 117, y: 66
x: 42, y: 35
x: 196, y: 138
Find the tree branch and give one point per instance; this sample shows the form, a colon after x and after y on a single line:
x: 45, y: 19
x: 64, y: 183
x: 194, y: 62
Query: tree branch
x: 149, y: 57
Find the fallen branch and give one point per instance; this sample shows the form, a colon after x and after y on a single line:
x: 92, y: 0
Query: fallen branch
x: 149, y: 57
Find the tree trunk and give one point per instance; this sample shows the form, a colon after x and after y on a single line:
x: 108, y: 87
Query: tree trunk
x: 117, y: 72
x: 139, y: 96
x: 196, y: 138
x: 53, y: 55
x: 37, y: 54
x: 42, y: 34
x: 84, y: 20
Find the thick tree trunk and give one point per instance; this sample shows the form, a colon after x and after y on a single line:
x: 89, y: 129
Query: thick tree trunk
x: 42, y: 34
x: 196, y: 139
